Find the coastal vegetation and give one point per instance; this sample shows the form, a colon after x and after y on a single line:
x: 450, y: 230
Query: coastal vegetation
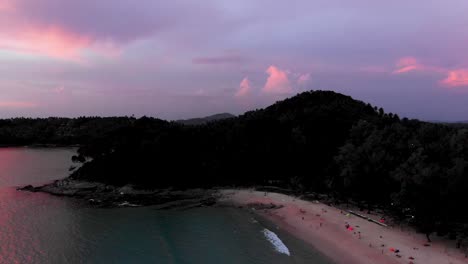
x: 58, y: 131
x: 317, y: 141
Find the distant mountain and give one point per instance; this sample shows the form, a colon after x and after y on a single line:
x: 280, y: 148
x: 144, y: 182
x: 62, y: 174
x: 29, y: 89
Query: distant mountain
x: 457, y: 124
x: 207, y: 119
x: 58, y: 131
x: 448, y: 122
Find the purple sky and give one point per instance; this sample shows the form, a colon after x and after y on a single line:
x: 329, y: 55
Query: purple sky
x: 180, y: 59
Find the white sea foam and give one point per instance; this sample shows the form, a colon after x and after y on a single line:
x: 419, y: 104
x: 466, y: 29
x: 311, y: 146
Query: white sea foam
x: 127, y: 204
x: 276, y: 241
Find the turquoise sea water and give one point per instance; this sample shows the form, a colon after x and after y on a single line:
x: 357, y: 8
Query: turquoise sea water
x: 39, y: 228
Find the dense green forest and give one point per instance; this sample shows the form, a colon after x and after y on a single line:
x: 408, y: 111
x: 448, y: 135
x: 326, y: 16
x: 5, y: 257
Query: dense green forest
x: 317, y: 141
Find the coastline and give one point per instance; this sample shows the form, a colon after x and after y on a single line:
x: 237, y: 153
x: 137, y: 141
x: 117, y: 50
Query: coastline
x: 108, y: 196
x: 40, y: 146
x: 323, y: 227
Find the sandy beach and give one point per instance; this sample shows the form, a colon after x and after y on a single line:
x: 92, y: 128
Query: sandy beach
x: 343, y: 237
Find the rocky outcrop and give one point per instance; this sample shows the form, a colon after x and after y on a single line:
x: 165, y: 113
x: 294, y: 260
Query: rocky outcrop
x: 102, y: 195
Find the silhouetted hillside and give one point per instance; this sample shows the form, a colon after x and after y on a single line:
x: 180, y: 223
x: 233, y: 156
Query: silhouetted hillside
x: 204, y: 120
x: 58, y: 131
x: 295, y: 138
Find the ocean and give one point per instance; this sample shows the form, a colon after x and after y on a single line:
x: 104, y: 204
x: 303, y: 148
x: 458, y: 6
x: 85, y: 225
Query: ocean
x: 40, y: 228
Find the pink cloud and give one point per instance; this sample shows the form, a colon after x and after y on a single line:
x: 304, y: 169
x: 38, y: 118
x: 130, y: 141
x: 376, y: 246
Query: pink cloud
x: 5, y: 5
x: 303, y: 79
x: 277, y: 82
x: 50, y: 41
x: 55, y: 42
x: 21, y: 34
x: 245, y: 88
x: 456, y: 78
x: 405, y: 61
x: 16, y: 104
x: 407, y: 64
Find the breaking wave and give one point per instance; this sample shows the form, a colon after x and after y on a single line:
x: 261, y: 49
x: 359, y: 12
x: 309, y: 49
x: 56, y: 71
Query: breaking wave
x: 276, y: 241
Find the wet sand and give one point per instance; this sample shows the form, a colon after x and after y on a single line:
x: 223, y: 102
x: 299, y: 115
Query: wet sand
x: 325, y: 228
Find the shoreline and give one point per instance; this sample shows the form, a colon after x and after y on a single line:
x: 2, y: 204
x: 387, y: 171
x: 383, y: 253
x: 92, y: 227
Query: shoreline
x: 107, y: 196
x: 340, y: 236
x: 323, y: 227
x: 41, y: 146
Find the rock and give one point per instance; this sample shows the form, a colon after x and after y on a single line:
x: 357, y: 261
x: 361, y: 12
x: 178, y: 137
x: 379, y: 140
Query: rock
x: 102, y: 195
x: 261, y: 206
x: 28, y: 188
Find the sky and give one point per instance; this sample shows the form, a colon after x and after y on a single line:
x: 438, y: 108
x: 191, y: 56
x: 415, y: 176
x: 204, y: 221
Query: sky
x: 185, y: 58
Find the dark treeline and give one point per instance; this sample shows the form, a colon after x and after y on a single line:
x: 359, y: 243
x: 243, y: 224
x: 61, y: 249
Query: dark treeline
x: 295, y: 139
x: 204, y: 120
x: 58, y: 131
x: 316, y: 141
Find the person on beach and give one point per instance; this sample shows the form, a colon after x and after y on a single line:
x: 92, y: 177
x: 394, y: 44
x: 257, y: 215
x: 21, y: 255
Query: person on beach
x: 458, y: 243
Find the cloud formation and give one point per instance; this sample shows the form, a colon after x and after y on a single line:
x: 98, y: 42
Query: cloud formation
x: 52, y: 41
x: 245, y: 88
x: 66, y: 29
x: 407, y: 64
x: 186, y: 47
x: 277, y: 82
x: 456, y: 78
x: 5, y: 5
x: 16, y: 104
x: 303, y: 79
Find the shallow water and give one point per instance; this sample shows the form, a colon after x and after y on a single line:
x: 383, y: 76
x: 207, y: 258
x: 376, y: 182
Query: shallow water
x: 39, y: 228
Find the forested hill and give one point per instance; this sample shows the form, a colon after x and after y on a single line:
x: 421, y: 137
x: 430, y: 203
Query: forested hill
x: 58, y: 131
x: 291, y: 138
x: 315, y: 141
x: 204, y: 120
